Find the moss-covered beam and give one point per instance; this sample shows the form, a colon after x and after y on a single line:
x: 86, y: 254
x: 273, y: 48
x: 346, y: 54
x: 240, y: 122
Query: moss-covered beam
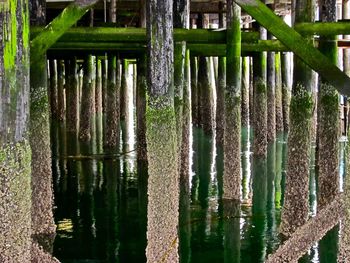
x: 127, y: 35
x: 56, y: 28
x: 293, y: 40
x: 323, y: 28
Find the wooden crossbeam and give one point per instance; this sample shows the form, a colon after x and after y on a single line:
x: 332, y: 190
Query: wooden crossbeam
x: 56, y: 28
x: 312, y: 231
x: 323, y: 28
x: 293, y: 40
x: 138, y: 35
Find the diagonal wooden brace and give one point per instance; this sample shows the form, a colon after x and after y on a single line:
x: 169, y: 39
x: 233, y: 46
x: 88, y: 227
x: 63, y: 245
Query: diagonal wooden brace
x: 297, y: 44
x: 57, y: 27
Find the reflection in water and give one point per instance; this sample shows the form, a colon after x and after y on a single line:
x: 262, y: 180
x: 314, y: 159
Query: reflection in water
x: 101, y: 212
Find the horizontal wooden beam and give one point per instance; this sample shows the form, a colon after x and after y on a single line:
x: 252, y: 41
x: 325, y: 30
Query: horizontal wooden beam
x: 196, y: 7
x: 138, y: 35
x: 196, y: 49
x: 297, y: 44
x: 323, y: 28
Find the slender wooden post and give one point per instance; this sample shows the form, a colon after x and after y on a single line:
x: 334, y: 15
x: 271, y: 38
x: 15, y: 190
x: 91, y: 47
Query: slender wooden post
x: 72, y: 113
x: 53, y: 88
x: 245, y: 92
x: 278, y: 93
x: 205, y: 92
x: 98, y: 105
x: 87, y: 100
x: 271, y: 94
x: 296, y: 207
x: 260, y: 102
x: 220, y: 90
x: 61, y: 100
x: 161, y: 136
x: 15, y: 153
x: 123, y: 90
x: 43, y: 225
x: 232, y: 131
x: 194, y: 90
x: 286, y: 89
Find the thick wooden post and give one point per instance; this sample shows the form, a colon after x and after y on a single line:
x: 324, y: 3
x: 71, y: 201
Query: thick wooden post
x: 15, y: 153
x: 141, y: 97
x: 161, y: 136
x: 286, y: 89
x: 232, y: 131
x: 328, y: 118
x: 296, y: 207
x: 43, y: 225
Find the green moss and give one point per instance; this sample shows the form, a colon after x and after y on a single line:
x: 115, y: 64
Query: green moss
x: 260, y: 87
x: 301, y: 105
x: 329, y: 98
x: 10, y: 36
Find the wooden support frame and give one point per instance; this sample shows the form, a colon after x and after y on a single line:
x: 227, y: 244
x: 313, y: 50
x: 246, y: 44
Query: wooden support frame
x: 293, y: 40
x: 54, y: 30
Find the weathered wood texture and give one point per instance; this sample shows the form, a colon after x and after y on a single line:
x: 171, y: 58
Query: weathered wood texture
x: 296, y: 207
x: 43, y: 225
x: 15, y: 153
x: 305, y: 236
x: 232, y: 130
x: 162, y: 219
x: 328, y: 133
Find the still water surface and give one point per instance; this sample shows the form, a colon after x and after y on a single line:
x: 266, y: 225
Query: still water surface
x: 101, y: 205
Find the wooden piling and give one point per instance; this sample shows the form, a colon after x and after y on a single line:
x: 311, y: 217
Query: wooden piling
x: 278, y: 93
x: 61, y: 100
x: 232, y: 130
x: 295, y: 211
x: 286, y: 89
x: 161, y: 135
x: 328, y: 130
x: 15, y: 153
x: 72, y: 93
x: 87, y: 111
x: 42, y: 221
x: 260, y: 102
x: 220, y: 93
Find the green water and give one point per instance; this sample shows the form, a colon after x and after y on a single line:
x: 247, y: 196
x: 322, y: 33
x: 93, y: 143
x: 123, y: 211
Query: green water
x: 101, y: 206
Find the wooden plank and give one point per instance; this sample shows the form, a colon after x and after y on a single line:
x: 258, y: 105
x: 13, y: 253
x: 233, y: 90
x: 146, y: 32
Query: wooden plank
x: 54, y: 30
x: 293, y: 40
